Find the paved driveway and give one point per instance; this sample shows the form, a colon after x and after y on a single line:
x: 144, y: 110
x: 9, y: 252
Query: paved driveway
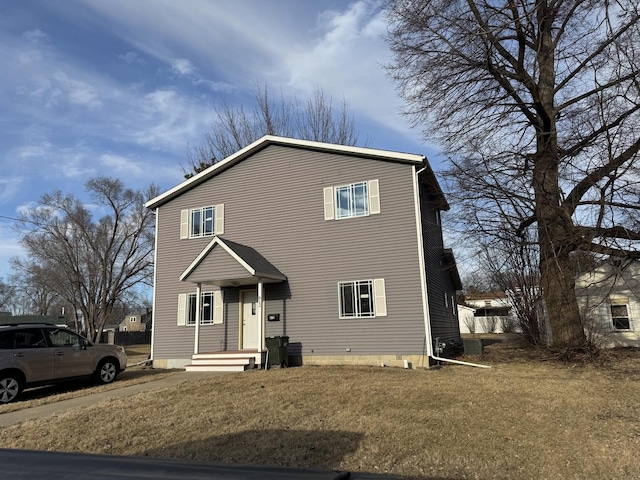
x: 11, y: 418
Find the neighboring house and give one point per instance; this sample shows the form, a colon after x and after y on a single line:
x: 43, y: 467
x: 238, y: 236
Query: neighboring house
x: 136, y: 322
x: 339, y: 248
x: 492, y: 312
x: 466, y: 317
x: 609, y: 298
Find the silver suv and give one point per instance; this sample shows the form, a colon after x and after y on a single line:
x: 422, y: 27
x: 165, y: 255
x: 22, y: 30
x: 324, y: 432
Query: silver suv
x: 40, y: 354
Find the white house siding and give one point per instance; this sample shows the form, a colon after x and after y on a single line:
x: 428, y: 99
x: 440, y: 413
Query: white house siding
x: 598, y: 289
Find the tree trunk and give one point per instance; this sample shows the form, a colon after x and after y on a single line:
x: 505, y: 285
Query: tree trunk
x: 557, y: 241
x: 556, y: 236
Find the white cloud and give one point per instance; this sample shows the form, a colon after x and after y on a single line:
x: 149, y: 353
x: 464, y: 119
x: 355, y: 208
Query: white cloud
x: 183, y: 66
x: 36, y: 36
x: 121, y: 166
x: 9, y: 186
x: 170, y: 118
x: 347, y: 61
x: 33, y: 151
x: 131, y: 57
x: 77, y: 91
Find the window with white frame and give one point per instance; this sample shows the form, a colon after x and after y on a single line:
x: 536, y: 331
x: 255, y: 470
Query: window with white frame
x: 206, y: 309
x: 358, y: 199
x: 132, y: 319
x: 202, y: 222
x: 620, y: 316
x: 211, y: 309
x: 352, y: 200
x: 362, y: 298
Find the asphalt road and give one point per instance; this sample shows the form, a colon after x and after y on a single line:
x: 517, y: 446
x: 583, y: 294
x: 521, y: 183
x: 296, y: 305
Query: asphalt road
x: 30, y: 465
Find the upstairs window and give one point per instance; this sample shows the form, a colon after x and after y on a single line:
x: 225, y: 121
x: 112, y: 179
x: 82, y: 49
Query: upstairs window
x: 202, y: 222
x: 358, y: 199
x: 352, y: 200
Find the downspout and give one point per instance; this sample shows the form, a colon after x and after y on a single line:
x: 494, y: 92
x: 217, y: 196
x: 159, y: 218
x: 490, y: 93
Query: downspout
x: 155, y: 270
x: 423, y: 280
x: 421, y: 263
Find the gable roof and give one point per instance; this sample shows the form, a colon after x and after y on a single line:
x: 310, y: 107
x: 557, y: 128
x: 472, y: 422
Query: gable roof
x: 250, y: 263
x: 264, y: 142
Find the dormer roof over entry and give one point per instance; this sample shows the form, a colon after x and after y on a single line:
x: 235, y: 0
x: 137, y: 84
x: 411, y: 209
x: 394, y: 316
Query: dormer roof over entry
x: 225, y: 263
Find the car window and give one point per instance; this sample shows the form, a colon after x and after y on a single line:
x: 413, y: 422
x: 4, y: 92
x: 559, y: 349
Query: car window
x: 65, y: 338
x: 29, y: 338
x: 6, y: 340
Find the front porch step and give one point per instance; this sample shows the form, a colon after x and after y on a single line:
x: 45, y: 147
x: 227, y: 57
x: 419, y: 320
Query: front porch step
x: 237, y: 367
x: 225, y: 361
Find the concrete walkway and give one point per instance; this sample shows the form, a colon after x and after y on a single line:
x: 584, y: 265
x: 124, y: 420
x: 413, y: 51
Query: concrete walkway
x: 11, y: 418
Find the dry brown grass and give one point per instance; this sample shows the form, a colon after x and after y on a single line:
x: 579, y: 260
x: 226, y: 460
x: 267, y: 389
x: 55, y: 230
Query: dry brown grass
x: 521, y: 419
x: 35, y: 397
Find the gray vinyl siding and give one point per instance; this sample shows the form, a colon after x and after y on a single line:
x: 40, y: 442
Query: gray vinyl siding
x: 443, y: 317
x: 274, y: 203
x: 218, y: 264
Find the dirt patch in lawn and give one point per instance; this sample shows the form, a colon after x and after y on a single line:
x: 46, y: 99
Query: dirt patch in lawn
x: 519, y: 420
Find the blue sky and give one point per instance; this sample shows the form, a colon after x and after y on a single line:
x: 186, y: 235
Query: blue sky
x: 123, y: 88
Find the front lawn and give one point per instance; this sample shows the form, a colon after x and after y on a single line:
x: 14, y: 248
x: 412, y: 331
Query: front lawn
x: 524, y: 418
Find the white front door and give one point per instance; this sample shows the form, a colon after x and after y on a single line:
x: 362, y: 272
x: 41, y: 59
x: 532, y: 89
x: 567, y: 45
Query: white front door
x: 250, y: 320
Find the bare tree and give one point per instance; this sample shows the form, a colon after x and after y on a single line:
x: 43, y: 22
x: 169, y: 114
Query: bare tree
x: 31, y: 280
x: 513, y: 266
x: 7, y: 292
x: 234, y: 128
x: 537, y: 104
x: 92, y: 263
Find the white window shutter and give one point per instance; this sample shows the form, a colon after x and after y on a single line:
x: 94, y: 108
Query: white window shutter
x: 217, y: 307
x: 184, y: 223
x: 182, y: 309
x: 374, y: 196
x: 329, y: 212
x: 380, y: 302
x: 219, y: 225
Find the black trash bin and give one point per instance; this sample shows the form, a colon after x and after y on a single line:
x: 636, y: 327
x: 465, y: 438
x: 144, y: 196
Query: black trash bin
x: 278, y: 348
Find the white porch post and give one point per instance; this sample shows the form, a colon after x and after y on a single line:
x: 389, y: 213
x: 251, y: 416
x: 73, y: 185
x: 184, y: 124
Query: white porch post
x: 196, y: 345
x: 259, y: 312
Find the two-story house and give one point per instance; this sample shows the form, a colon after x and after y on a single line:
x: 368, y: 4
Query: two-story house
x: 136, y: 322
x: 339, y: 248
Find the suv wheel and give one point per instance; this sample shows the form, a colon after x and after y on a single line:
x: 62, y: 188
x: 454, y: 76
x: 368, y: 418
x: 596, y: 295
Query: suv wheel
x: 10, y: 387
x: 107, y: 371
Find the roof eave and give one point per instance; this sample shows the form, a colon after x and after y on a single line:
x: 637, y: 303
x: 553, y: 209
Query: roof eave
x: 284, y: 141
